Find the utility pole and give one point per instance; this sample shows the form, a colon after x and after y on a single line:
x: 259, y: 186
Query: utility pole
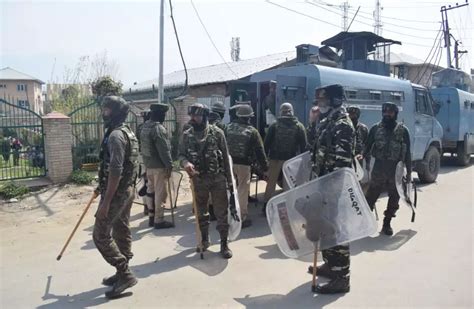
x: 162, y: 30
x: 378, y: 25
x: 235, y: 49
x: 447, y: 36
x: 345, y: 15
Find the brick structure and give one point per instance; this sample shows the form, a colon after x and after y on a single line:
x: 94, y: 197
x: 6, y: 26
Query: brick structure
x: 181, y: 104
x: 57, y: 144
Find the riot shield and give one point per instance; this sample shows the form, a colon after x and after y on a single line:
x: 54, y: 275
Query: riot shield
x: 173, y: 189
x: 234, y: 226
x: 331, y: 209
x: 406, y: 190
x: 297, y: 170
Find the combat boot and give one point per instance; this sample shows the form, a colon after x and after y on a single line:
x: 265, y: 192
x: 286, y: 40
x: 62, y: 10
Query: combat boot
x: 386, y: 228
x: 125, y: 280
x: 204, y: 241
x: 151, y: 220
x: 246, y: 223
x: 110, y: 281
x: 225, y: 251
x: 337, y: 285
x: 322, y: 271
x: 163, y: 225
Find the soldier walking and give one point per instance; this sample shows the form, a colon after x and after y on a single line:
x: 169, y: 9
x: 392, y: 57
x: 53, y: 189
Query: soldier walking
x: 285, y: 139
x: 389, y: 143
x: 156, y: 153
x: 333, y: 149
x: 117, y: 175
x: 244, y: 144
x: 203, y: 154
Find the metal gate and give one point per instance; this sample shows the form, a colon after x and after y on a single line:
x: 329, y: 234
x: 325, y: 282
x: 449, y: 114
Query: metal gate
x: 87, y: 134
x: 22, y: 143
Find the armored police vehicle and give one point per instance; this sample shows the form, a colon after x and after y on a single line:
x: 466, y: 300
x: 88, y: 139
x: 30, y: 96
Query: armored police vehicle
x: 454, y: 109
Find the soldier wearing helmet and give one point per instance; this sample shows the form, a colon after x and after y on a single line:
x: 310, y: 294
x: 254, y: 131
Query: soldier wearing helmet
x: 216, y: 116
x: 117, y: 174
x: 333, y: 149
x: 156, y: 153
x: 285, y: 139
x: 361, y: 129
x: 244, y: 144
x: 389, y: 143
x: 203, y: 154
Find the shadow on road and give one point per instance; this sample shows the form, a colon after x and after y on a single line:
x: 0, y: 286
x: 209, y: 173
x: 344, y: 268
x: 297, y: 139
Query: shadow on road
x: 300, y: 297
x: 382, y: 242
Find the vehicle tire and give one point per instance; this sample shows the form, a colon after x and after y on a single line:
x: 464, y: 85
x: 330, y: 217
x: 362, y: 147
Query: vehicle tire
x: 462, y: 157
x: 429, y: 170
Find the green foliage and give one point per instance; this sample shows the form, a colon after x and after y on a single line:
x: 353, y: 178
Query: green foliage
x: 13, y: 190
x: 105, y: 85
x: 81, y: 178
x: 70, y: 93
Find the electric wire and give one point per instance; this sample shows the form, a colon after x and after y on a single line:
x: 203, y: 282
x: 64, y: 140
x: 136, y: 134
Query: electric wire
x: 185, y: 87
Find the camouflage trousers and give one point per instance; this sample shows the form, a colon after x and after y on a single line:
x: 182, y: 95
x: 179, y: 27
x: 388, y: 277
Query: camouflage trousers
x: 338, y: 259
x: 382, y: 181
x: 216, y: 186
x: 112, y: 235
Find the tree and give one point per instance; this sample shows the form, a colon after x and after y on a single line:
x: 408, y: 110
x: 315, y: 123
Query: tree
x: 104, y: 86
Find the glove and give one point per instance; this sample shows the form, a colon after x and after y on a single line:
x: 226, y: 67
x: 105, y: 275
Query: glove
x: 232, y: 209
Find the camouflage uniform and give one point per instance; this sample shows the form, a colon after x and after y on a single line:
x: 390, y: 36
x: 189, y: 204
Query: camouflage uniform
x: 284, y: 140
x: 207, y: 151
x: 311, y: 135
x: 388, y: 147
x: 119, y: 155
x: 362, y: 133
x: 245, y: 145
x: 333, y: 149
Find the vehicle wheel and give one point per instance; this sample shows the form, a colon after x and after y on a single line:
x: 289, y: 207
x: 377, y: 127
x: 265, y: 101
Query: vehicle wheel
x: 430, y: 168
x: 462, y: 158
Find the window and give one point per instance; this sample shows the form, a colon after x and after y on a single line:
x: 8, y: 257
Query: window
x: 375, y: 95
x: 396, y: 96
x: 21, y: 87
x: 423, y: 105
x: 351, y: 94
x: 3, y: 86
x: 23, y: 103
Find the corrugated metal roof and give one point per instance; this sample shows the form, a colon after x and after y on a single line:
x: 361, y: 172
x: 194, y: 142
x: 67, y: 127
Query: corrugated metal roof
x: 401, y: 58
x: 218, y: 73
x: 11, y: 74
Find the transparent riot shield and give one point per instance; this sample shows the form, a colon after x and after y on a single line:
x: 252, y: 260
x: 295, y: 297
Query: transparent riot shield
x: 330, y: 210
x: 297, y: 170
x: 234, y: 226
x: 406, y: 189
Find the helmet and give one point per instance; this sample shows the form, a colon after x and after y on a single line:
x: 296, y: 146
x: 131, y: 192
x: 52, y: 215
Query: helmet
x: 389, y: 106
x: 218, y: 107
x: 119, y: 108
x: 354, y: 110
x: 335, y: 94
x: 245, y: 111
x: 198, y: 109
x: 286, y: 109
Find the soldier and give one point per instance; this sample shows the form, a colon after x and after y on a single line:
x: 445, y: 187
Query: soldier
x: 216, y: 117
x: 361, y: 129
x: 203, y: 154
x: 284, y: 140
x: 244, y: 143
x: 311, y: 129
x: 117, y: 175
x: 388, y: 143
x: 156, y: 153
x: 333, y: 149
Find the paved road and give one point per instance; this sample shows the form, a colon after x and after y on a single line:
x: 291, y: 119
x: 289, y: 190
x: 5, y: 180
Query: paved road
x: 428, y: 263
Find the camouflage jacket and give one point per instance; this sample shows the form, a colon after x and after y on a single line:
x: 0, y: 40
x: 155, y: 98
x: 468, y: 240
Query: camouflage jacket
x: 155, y: 145
x: 388, y: 147
x: 245, y: 144
x: 285, y: 139
x: 206, y: 150
x: 311, y: 135
x: 216, y: 120
x: 334, y: 143
x: 362, y: 132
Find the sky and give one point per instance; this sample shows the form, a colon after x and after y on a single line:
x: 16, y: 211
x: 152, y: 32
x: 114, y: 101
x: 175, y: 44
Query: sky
x: 42, y: 38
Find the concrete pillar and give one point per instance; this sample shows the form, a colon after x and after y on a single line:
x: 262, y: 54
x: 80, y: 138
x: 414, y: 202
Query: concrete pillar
x: 58, y: 145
